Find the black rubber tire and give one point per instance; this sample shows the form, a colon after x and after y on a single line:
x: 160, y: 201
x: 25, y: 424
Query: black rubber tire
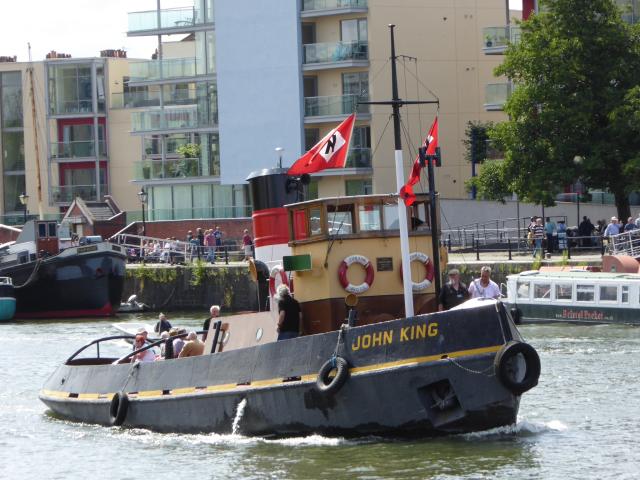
x: 330, y: 386
x: 532, y: 364
x: 118, y: 409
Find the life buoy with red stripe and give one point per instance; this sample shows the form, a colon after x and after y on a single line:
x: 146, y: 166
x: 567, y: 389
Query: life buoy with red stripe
x: 429, y: 271
x: 277, y: 272
x: 342, y: 274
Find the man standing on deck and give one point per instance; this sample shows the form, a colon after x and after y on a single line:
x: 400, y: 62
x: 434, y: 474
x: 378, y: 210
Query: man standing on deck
x: 484, y: 287
x: 453, y: 293
x: 214, y: 311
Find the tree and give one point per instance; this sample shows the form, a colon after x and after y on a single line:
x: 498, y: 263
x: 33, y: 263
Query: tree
x: 575, y: 109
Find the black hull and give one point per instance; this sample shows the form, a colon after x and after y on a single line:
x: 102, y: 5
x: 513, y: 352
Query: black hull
x: 70, y: 286
x: 416, y: 387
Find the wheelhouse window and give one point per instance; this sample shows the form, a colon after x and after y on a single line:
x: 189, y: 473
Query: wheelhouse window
x: 564, y: 291
x: 340, y: 219
x: 542, y: 291
x: 369, y: 217
x: 522, y: 289
x: 315, y: 221
x: 585, y: 293
x: 390, y: 216
x: 608, y: 293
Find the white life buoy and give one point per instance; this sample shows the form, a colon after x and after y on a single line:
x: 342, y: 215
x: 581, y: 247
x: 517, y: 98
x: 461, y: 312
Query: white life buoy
x: 429, y: 271
x: 342, y: 274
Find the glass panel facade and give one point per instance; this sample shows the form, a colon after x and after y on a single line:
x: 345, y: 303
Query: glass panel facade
x: 309, y: 5
x: 353, y: 30
x: 335, y: 52
x: 70, y: 89
x: 12, y: 140
x: 11, y: 100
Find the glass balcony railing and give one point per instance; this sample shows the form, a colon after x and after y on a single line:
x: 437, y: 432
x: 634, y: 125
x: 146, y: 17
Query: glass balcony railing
x: 501, y: 36
x: 496, y: 95
x: 150, y: 99
x: 315, y: 53
x: 334, y: 105
x: 177, y: 18
x: 77, y: 149
x: 67, y: 193
x: 149, y: 70
x: 312, y: 5
x: 170, y: 168
x: 359, y: 158
x: 75, y: 107
x: 172, y: 118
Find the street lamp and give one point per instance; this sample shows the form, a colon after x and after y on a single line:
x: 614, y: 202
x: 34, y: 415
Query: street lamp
x: 24, y: 199
x: 578, y: 186
x: 143, y: 196
x: 279, y: 151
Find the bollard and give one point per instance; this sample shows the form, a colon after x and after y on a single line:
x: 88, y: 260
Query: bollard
x: 226, y: 255
x: 509, y: 246
x: 449, y: 243
x: 568, y: 249
x: 477, y: 249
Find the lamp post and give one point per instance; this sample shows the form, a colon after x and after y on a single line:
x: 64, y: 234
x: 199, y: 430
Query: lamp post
x: 578, y: 186
x: 142, y: 195
x: 24, y: 199
x: 279, y: 151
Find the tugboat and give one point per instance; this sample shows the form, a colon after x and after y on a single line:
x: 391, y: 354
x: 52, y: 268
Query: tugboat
x: 79, y: 281
x: 362, y: 366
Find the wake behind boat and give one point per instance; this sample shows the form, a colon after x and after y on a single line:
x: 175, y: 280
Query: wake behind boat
x: 79, y: 281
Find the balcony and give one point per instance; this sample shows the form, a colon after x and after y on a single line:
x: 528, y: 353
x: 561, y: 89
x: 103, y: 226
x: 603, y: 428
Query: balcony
x: 156, y: 71
x: 334, y: 108
x: 171, y: 21
x: 149, y: 99
x: 77, y: 149
x: 322, y: 56
x: 75, y: 107
x: 321, y: 8
x: 497, y: 39
x: 67, y: 193
x: 156, y: 169
x: 496, y: 95
x: 172, y: 119
x: 359, y: 158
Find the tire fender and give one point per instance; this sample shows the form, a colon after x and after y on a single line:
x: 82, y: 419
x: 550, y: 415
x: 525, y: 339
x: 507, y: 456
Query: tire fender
x: 118, y: 409
x: 328, y: 385
x: 504, y: 366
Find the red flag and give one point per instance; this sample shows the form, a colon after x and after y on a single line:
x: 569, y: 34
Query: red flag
x: 330, y: 152
x: 431, y: 142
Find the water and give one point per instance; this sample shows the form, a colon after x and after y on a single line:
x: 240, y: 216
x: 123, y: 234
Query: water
x: 581, y: 422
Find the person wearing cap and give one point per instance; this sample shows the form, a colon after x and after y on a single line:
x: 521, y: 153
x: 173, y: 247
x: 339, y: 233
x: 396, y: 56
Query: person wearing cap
x: 453, y: 293
x: 613, y: 228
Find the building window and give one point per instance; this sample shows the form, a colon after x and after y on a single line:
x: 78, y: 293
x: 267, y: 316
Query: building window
x: 354, y: 30
x: 358, y: 187
x: 311, y: 137
x: 12, y: 140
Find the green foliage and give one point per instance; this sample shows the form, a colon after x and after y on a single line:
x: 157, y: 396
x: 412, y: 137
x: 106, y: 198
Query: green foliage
x: 189, y: 150
x: 490, y: 183
x: 476, y: 141
x: 198, y: 272
x: 576, y: 71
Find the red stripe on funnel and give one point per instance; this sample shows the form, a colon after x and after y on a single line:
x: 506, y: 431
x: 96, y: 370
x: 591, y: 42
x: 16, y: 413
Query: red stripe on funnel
x: 270, y: 227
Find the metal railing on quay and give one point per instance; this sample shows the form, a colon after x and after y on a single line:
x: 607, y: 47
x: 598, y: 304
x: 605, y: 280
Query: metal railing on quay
x: 510, y: 246
x: 625, y: 243
x: 141, y: 248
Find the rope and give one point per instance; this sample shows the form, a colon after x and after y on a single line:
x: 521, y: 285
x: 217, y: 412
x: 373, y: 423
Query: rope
x: 31, y: 276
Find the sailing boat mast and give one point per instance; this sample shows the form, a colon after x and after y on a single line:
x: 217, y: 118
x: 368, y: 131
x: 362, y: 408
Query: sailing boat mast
x: 396, y: 103
x: 35, y: 134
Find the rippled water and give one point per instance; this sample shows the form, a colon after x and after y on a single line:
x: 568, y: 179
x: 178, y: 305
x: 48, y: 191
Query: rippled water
x: 582, y: 421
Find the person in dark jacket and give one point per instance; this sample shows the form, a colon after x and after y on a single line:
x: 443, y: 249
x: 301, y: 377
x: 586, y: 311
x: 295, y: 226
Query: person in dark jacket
x: 454, y: 292
x: 289, y: 314
x: 163, y: 325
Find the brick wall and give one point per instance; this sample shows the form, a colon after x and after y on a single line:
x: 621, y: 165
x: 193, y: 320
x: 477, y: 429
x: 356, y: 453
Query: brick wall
x: 232, y: 228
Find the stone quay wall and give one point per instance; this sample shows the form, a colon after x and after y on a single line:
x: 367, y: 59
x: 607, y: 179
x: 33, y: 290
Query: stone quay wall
x: 196, y: 286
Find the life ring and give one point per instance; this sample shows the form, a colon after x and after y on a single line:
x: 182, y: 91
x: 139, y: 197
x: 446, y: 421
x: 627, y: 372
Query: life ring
x: 509, y: 367
x: 277, y: 271
x: 118, y: 409
x: 429, y: 274
x: 330, y: 385
x: 342, y: 274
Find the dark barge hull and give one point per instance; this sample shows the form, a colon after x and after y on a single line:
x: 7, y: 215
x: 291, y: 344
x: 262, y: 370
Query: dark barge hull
x: 86, y: 285
x: 421, y: 376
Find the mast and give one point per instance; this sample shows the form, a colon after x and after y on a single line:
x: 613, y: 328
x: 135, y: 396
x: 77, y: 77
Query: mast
x: 35, y: 135
x: 396, y: 103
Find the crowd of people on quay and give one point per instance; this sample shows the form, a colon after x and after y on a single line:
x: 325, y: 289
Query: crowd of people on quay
x: 203, y: 244
x: 555, y: 237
